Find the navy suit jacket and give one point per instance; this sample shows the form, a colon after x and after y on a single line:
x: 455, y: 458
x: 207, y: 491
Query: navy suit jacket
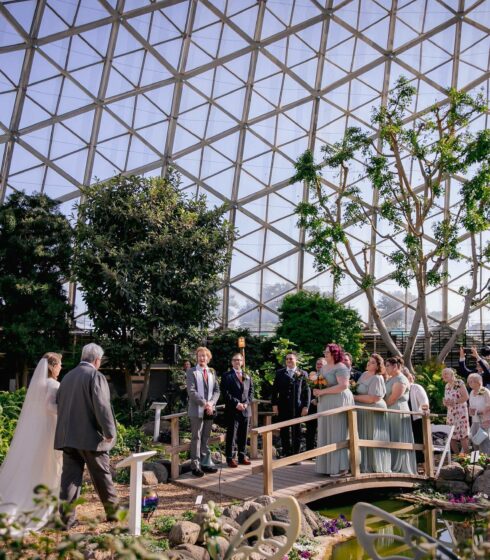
x: 235, y: 392
x: 290, y: 395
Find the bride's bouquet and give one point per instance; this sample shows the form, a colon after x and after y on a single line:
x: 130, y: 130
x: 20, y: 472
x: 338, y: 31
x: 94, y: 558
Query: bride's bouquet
x: 317, y: 381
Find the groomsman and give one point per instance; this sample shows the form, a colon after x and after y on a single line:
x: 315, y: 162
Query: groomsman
x: 237, y: 391
x: 203, y: 391
x: 312, y: 425
x: 354, y: 373
x: 290, y: 399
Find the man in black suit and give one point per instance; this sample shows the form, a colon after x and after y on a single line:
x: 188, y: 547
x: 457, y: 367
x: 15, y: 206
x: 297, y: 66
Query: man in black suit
x: 290, y: 399
x: 354, y: 373
x: 237, y: 391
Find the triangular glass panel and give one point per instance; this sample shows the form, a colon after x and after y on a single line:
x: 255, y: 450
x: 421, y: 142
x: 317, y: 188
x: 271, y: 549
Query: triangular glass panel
x: 342, y: 55
x: 23, y: 12
x: 129, y: 65
x: 140, y: 154
x: 207, y: 38
x: 240, y: 263
x: 11, y: 66
x: 51, y: 23
x: 249, y: 320
x: 227, y: 146
x: 190, y: 163
x: 274, y: 285
x: 141, y: 23
x: 252, y: 244
x: 204, y: 82
x: 282, y: 169
x: 275, y: 245
x: 155, y: 134
x: 260, y: 167
x: 271, y: 24
x: 162, y: 29
x: 295, y: 148
x: 197, y: 57
x: 89, y: 77
x: 403, y: 34
x: 279, y: 50
x: 47, y: 95
x: 287, y: 267
x: 279, y: 207
x: 249, y: 185
x: 245, y: 224
x: 221, y: 182
x: 349, y: 13
x: 477, y: 54
x: 365, y: 55
x: 307, y: 70
x: 177, y: 14
x: 161, y: 98
x: 65, y: 10
x: 41, y: 68
x: 72, y: 98
x: 39, y: 140
x: 58, y: 51
x: 213, y: 162
x: 81, y: 54
x: 30, y: 181
x: 265, y: 68
x: 102, y: 169
x: 292, y: 91
x: 64, y: 142
x: 413, y: 14
x: 253, y: 146
x: 378, y: 32
x: 230, y: 41
x: 98, y: 38
x: 110, y: 127
x: 444, y: 39
x: 195, y: 120
x: 74, y: 164
x: 288, y: 129
x: 117, y: 83
x: 183, y: 139
x: 239, y: 66
x: 32, y: 113
x: 81, y: 125
x: 171, y: 51
x: 224, y: 81
x: 88, y: 12
x: 218, y: 121
x: 145, y: 112
x: 259, y: 106
x: 256, y: 209
x: 8, y: 34
x: 442, y: 74
x: 190, y: 99
x: 292, y: 193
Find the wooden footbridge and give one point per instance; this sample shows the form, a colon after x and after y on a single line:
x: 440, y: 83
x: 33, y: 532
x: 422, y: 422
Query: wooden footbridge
x: 296, y: 475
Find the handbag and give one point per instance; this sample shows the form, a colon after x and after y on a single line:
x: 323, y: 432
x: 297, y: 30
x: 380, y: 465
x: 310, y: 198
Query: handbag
x: 480, y: 436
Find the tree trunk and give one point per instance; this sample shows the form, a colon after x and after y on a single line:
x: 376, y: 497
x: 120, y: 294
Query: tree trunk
x: 146, y: 387
x: 467, y: 305
x: 129, y: 387
x: 25, y: 375
x: 412, y: 339
x: 380, y: 324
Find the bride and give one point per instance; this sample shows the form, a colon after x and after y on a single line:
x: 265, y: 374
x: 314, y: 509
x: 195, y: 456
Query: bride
x: 32, y: 459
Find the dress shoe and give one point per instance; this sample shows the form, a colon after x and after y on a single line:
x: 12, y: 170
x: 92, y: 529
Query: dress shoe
x: 197, y: 472
x: 232, y: 463
x: 245, y: 461
x: 210, y: 470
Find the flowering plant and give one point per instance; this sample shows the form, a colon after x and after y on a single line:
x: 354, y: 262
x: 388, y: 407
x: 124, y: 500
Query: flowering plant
x: 464, y: 460
x: 302, y: 548
x: 333, y: 526
x: 317, y: 381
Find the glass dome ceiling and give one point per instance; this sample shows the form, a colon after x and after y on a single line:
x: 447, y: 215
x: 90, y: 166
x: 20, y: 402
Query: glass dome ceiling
x: 229, y: 92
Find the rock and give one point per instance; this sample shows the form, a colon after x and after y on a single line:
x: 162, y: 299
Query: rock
x: 194, y: 551
x: 148, y: 427
x: 312, y: 518
x: 184, y: 532
x: 159, y: 470
x: 177, y: 555
x: 223, y: 546
x: 229, y: 527
x: 454, y: 486
x: 264, y: 500
x: 473, y: 472
x: 267, y: 552
x: 482, y: 483
x: 240, y: 514
x: 453, y: 471
x: 149, y: 478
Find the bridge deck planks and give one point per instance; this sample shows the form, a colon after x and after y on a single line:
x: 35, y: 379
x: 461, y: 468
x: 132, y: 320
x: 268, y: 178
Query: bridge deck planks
x: 300, y: 481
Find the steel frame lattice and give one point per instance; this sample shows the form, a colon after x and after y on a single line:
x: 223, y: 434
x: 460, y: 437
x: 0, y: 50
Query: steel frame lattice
x: 229, y: 93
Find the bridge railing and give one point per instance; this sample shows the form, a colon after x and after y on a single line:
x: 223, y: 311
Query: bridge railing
x: 353, y: 444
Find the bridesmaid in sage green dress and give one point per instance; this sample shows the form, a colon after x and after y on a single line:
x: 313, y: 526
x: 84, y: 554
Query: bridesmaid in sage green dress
x: 397, y: 394
x: 333, y: 429
x: 371, y: 390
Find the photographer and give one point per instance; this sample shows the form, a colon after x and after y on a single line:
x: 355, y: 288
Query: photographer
x: 482, y: 366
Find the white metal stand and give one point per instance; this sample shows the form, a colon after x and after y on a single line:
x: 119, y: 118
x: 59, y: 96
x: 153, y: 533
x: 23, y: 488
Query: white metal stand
x: 135, y: 462
x: 157, y: 407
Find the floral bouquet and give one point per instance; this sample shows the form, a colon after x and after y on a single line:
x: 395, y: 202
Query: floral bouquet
x: 353, y: 386
x: 316, y: 381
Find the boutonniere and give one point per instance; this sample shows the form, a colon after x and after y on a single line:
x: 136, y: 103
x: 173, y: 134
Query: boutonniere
x: 481, y: 391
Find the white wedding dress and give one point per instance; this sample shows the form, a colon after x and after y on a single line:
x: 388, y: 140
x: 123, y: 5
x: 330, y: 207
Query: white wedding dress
x: 32, y: 459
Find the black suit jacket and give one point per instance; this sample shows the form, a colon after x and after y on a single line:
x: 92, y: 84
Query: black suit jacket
x: 235, y: 392
x: 290, y: 395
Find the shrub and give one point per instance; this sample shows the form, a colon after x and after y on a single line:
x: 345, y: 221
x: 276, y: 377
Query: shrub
x: 311, y: 320
x: 429, y: 376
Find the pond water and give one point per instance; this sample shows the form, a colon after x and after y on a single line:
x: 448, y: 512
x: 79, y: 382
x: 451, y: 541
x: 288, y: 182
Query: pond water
x: 459, y: 532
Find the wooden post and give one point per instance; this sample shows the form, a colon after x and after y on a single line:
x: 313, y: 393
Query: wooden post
x: 174, y: 440
x: 428, y: 450
x: 354, y: 450
x: 254, y: 448
x: 267, y: 458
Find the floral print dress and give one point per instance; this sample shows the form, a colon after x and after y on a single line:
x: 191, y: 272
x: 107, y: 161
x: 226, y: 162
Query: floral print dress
x: 457, y: 414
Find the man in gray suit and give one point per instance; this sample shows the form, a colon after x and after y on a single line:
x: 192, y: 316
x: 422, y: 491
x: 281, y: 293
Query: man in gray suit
x: 203, y: 391
x: 85, y: 432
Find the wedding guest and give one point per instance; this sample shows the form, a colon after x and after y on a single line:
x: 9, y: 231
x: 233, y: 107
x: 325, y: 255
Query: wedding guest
x: 237, y: 391
x: 481, y: 367
x: 455, y: 399
x: 371, y: 390
x: 312, y: 425
x: 479, y: 409
x: 31, y: 459
x: 290, y: 399
x: 418, y: 401
x: 86, y: 432
x: 203, y: 391
x: 354, y: 373
x: 332, y: 429
x: 400, y: 425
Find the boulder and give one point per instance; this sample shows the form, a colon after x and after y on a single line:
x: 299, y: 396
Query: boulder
x: 454, y: 486
x: 178, y: 555
x: 160, y: 471
x: 149, y: 478
x: 453, y: 471
x: 184, y: 532
x: 482, y: 483
x: 240, y: 514
x: 472, y: 473
x: 194, y: 551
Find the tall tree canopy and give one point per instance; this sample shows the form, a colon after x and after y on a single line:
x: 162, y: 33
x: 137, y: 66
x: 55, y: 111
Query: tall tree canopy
x: 149, y: 262
x: 414, y: 166
x: 35, y: 252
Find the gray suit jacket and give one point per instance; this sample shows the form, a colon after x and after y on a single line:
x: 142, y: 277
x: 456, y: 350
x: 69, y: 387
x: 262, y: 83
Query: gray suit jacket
x: 84, y: 411
x: 195, y: 401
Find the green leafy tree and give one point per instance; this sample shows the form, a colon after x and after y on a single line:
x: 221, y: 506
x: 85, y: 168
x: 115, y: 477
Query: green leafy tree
x: 35, y: 253
x: 149, y: 262
x: 312, y: 320
x: 408, y: 165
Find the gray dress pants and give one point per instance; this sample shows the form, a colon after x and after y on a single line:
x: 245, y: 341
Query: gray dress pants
x: 74, y: 461
x: 200, y: 432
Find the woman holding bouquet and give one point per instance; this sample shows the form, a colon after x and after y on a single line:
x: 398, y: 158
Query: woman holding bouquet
x: 371, y: 390
x: 333, y: 429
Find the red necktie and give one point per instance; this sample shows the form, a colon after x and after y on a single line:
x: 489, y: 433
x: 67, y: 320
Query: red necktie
x: 205, y: 375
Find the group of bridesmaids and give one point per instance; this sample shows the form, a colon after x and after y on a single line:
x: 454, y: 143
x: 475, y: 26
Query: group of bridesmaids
x: 371, y: 391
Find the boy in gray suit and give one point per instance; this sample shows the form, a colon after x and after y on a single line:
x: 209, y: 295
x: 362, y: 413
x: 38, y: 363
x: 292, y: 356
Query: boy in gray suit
x: 85, y: 432
x: 203, y: 391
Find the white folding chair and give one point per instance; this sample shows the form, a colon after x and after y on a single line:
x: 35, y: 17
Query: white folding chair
x: 444, y: 449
